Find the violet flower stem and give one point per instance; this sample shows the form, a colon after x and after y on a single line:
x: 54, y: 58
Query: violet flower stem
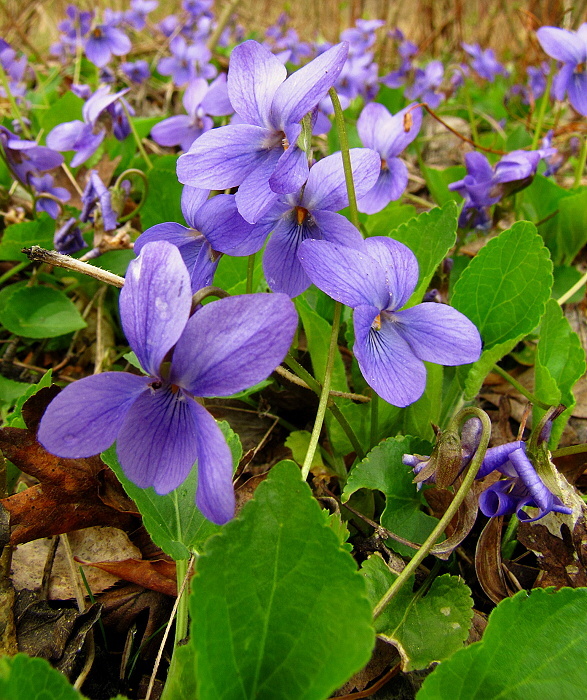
x: 572, y: 450
x: 575, y: 288
x: 144, y: 192
x: 459, y: 497
x: 581, y: 163
x: 77, y: 68
x: 346, y: 157
x: 14, y: 271
x: 13, y: 105
x: 324, y: 395
x: 137, y: 137
x: 181, y: 619
x: 518, y: 387
x: 471, y: 113
x: 542, y: 109
x: 223, y: 20
x: 250, y: 272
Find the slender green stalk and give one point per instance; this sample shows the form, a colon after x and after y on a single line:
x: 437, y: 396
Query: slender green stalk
x: 346, y: 157
x: 181, y: 620
x: 572, y: 450
x: 223, y: 20
x: 77, y: 68
x: 470, y: 111
x: 424, y: 550
x: 137, y: 137
x: 542, y: 109
x: 13, y: 105
x: 250, y: 272
x: 324, y: 395
x: 508, y: 542
x: 14, y: 271
x: 581, y: 163
x: 575, y: 288
x: 374, y: 419
x: 144, y: 191
x: 518, y: 387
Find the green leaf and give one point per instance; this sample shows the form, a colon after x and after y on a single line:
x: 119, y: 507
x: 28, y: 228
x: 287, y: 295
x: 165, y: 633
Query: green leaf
x: 278, y: 609
x: 22, y: 676
x: 383, y: 470
x: 318, y: 332
x: 14, y: 419
x: 417, y: 418
x: 572, y: 229
x: 24, y: 235
x: 429, y: 236
x: 10, y: 391
x: 65, y: 109
x: 437, y: 182
x: 359, y: 416
x: 560, y: 363
x: 163, y: 201
x: 40, y: 312
x: 231, y: 274
x: 424, y: 628
x: 173, y: 521
x: 533, y: 647
x: 564, y: 278
x: 387, y: 220
x: 143, y: 125
x: 503, y: 290
x: 298, y: 442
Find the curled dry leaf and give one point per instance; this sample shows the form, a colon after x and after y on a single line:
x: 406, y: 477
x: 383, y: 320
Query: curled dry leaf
x: 158, y: 575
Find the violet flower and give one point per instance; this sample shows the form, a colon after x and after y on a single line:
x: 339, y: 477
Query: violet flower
x: 261, y: 155
x: 391, y: 346
x: 27, y: 158
x: 137, y: 16
x: 571, y: 49
x: 200, y: 100
x: 307, y: 214
x: 426, y: 83
x: 484, y: 62
x: 85, y: 136
x: 137, y: 71
x: 96, y: 193
x: 68, y: 238
x: 387, y: 134
x: 189, y: 61
x: 44, y: 185
x: 523, y: 487
x: 159, y: 429
x: 104, y: 41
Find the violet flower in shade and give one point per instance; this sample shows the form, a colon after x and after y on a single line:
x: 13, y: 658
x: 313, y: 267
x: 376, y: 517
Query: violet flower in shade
x: 387, y: 134
x: 97, y: 195
x: 426, y: 83
x: 484, y: 62
x: 391, y: 346
x: 261, y: 155
x: 44, y: 185
x: 200, y: 100
x: 309, y: 213
x: 104, y: 41
x: 136, y: 71
x: 159, y: 429
x: 571, y: 49
x: 68, y: 238
x: 27, y: 158
x: 522, y: 487
x: 85, y: 136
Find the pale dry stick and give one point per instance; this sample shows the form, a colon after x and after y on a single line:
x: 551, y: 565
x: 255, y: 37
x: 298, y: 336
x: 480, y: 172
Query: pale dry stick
x: 222, y: 22
x: 38, y: 254
x: 100, y: 332
x: 72, y: 179
x: 168, y: 628
x: 294, y: 379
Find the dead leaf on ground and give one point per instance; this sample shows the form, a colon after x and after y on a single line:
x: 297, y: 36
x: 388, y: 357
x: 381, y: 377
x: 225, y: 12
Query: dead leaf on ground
x: 156, y: 575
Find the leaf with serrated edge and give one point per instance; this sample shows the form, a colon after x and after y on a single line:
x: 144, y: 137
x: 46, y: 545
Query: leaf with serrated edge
x: 424, y: 628
x: 279, y: 611
x: 503, y: 290
x: 22, y: 676
x: 533, y: 647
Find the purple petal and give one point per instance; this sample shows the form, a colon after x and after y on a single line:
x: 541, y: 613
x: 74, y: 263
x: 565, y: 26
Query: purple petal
x: 87, y: 147
x: 98, y: 51
x: 219, y: 221
x: 254, y: 197
x: 283, y: 271
x: 155, y: 303
x: 400, y: 266
x: 215, y: 494
x: 216, y: 102
x: 118, y: 41
x: 562, y: 44
x: 396, y: 138
x: 577, y: 89
x: 337, y: 229
x: 192, y: 198
x: 157, y: 443
x: 194, y: 94
x: 528, y: 475
x: 223, y: 157
x: 291, y: 171
x: 64, y: 137
x: 349, y: 276
x: 326, y: 186
x: 234, y: 343
x: 386, y: 360
x: 173, y: 233
x: 253, y: 78
x: 496, y: 457
x: 496, y: 500
x: 84, y: 419
x: 440, y: 334
x: 174, y: 131
x: 562, y: 80
x: 390, y: 185
x: 99, y: 101
x: 302, y: 91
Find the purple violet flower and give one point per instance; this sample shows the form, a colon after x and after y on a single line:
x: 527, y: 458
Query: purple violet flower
x: 307, y: 214
x: 426, y: 83
x: 189, y: 61
x: 44, y: 185
x: 27, y: 158
x: 200, y: 100
x: 571, y: 49
x: 386, y: 134
x: 96, y: 193
x: 136, y: 71
x: 104, y: 41
x: 68, y: 238
x: 159, y: 429
x: 261, y: 155
x: 391, y: 346
x: 484, y: 62
x: 137, y: 16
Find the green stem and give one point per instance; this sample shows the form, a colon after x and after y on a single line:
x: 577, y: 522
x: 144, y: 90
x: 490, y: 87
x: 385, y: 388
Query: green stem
x: 542, y: 109
x: 518, y: 387
x: 424, y: 550
x: 223, y: 20
x: 508, y: 541
x: 144, y: 191
x: 471, y: 113
x: 13, y: 105
x: 14, y: 271
x: 374, y: 419
x: 453, y: 398
x: 324, y: 395
x: 346, y: 157
x: 250, y: 272
x: 181, y: 620
x: 136, y: 137
x: 581, y: 163
x: 78, y: 56
x: 572, y: 450
x: 575, y: 288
